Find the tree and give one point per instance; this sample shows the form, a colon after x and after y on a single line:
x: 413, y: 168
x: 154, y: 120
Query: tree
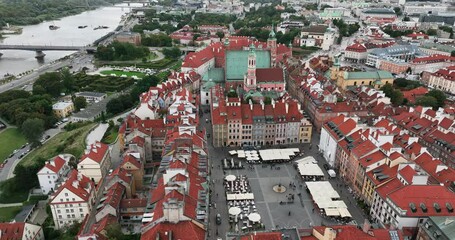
x: 406, y: 19
x: 51, y: 82
x: 172, y: 53
x: 267, y: 100
x: 33, y: 129
x: 387, y: 89
x: 79, y: 103
x: 220, y: 34
x: 452, y: 54
x: 67, y: 79
x: 432, y: 32
x: 114, y: 231
x: 397, y: 11
x: 103, y: 117
x: 427, y: 101
x: 439, y: 96
x: 114, y: 106
x: 396, y: 97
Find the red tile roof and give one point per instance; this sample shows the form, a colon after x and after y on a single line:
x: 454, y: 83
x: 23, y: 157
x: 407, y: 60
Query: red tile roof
x: 82, y: 187
x: 349, y: 232
x: 446, y: 73
x: 181, y: 230
x: 133, y: 203
x: 446, y: 123
x: 262, y: 236
x: 433, y: 58
x: 386, y: 170
x: 97, y: 152
x: 412, y: 95
x: 356, y: 47
x: 389, y: 187
x: 269, y: 75
x: 114, y: 195
x: 132, y: 160
x: 372, y: 158
x: 407, y: 173
x: 55, y: 165
x: 426, y: 194
x: 12, y: 231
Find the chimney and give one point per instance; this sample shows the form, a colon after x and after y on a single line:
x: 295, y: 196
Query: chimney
x: 366, y: 226
x: 273, y: 103
x: 287, y: 108
x: 251, y: 104
x: 75, y: 183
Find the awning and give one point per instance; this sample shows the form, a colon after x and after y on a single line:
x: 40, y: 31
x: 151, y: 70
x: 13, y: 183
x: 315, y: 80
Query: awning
x: 233, y: 152
x: 240, y: 196
x: 331, y: 212
x: 344, y: 212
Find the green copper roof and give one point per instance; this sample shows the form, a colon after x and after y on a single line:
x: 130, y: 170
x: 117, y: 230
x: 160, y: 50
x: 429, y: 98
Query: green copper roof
x: 208, y: 85
x: 368, y: 75
x: 272, y: 33
x: 216, y: 74
x: 237, y: 63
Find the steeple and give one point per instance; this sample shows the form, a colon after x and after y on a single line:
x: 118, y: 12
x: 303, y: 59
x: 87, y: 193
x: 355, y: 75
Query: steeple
x: 272, y: 33
x: 252, y: 49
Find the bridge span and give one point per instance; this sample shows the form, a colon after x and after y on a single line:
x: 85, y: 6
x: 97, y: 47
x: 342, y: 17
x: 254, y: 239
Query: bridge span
x: 40, y: 48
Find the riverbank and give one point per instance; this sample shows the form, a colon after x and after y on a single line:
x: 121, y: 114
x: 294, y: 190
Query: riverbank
x: 29, y: 12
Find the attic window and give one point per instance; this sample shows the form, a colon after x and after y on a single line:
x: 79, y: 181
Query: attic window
x: 437, y: 207
x: 449, y: 207
x: 413, y: 207
x: 423, y: 207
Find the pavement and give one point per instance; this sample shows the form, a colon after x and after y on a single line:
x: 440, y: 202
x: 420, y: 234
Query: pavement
x: 96, y: 134
x: 262, y: 178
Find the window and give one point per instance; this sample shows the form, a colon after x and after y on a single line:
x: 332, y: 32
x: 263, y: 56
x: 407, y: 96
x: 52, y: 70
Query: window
x: 66, y: 194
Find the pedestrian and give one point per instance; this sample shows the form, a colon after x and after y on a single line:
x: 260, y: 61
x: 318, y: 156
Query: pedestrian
x: 313, y: 210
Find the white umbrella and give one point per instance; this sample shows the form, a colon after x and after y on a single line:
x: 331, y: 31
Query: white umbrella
x: 254, y: 217
x: 230, y: 178
x: 234, y: 211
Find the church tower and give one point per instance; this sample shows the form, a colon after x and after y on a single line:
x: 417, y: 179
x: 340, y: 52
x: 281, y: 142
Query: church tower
x: 250, y: 78
x: 271, y: 44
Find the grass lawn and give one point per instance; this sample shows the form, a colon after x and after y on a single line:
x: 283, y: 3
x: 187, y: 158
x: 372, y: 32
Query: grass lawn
x: 72, y: 142
x: 8, y: 213
x: 152, y: 56
x: 110, y: 136
x: 120, y: 73
x: 10, y: 139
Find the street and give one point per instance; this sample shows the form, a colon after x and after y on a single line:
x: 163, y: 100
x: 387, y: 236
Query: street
x: 7, y: 171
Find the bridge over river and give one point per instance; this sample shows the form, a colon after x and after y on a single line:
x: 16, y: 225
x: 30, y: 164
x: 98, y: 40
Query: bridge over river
x: 40, y: 48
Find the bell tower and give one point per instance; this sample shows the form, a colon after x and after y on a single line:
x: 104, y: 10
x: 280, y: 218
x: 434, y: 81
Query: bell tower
x: 271, y: 44
x: 250, y: 78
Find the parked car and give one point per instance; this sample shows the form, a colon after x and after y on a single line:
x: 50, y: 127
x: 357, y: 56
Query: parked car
x: 326, y: 166
x: 218, y: 219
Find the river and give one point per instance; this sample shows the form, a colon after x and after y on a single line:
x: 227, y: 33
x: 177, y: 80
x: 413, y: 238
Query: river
x: 15, y: 62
